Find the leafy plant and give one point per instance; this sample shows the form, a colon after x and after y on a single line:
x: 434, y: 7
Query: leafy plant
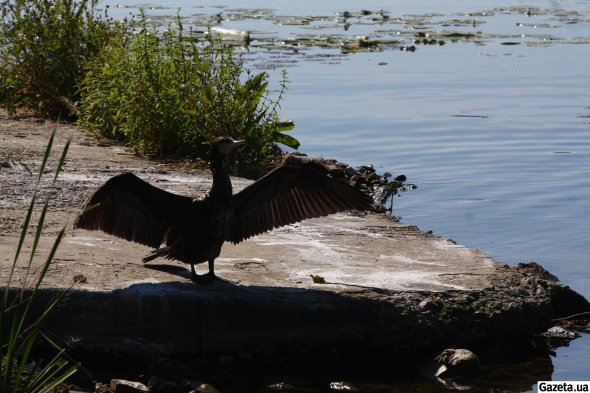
x: 44, y: 48
x: 164, y: 92
x: 170, y: 93
x: 20, y: 329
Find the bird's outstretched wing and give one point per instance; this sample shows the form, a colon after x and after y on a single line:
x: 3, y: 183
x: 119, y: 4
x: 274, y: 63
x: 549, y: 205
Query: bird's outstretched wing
x: 287, y: 195
x: 130, y: 208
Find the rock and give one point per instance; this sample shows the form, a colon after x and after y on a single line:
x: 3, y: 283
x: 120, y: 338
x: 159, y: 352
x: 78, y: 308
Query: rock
x: 80, y: 278
x: 281, y: 386
x: 371, y: 177
x: 564, y: 301
x: 453, y: 384
x: 350, y: 171
x: 317, y: 279
x: 158, y: 385
x: 367, y: 168
x: 429, y: 305
x: 206, y: 388
x: 457, y: 363
x: 342, y: 386
x: 123, y: 386
x: 560, y: 333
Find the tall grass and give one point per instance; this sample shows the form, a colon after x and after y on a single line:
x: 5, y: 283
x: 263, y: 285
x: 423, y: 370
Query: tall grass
x: 20, y: 328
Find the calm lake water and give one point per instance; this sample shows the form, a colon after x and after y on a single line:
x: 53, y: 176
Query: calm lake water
x: 493, y: 126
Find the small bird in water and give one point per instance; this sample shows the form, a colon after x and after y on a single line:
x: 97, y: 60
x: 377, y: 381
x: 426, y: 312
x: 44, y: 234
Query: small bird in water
x: 193, y: 230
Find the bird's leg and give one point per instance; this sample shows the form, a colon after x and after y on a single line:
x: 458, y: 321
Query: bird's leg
x: 211, y: 272
x: 203, y: 278
x: 193, y: 272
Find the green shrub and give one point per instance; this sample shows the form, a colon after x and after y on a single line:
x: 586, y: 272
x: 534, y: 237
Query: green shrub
x: 44, y: 48
x: 170, y: 93
x: 164, y: 92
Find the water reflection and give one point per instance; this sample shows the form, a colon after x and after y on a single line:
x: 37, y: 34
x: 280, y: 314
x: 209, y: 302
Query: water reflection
x: 509, y: 377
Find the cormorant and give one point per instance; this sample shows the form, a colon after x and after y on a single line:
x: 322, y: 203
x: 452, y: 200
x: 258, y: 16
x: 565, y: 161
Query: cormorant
x: 193, y: 230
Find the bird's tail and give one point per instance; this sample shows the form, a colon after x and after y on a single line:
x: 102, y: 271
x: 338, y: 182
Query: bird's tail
x: 160, y: 252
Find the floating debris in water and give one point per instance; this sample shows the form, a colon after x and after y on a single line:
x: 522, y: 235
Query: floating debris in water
x: 474, y: 116
x: 231, y: 35
x: 380, y: 29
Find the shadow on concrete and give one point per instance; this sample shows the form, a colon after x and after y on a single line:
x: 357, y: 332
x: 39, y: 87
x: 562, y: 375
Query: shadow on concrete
x: 183, y: 272
x: 180, y: 271
x: 279, y: 323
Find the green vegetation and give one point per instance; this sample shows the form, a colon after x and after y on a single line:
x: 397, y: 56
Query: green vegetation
x: 20, y: 328
x: 169, y: 93
x: 44, y: 48
x: 317, y: 279
x: 165, y: 92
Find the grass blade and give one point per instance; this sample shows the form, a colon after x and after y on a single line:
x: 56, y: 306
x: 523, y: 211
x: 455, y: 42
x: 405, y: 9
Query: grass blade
x: 23, y: 235
x: 25, y: 349
x: 62, y: 159
x: 46, y: 155
x: 35, y: 244
x: 56, y: 243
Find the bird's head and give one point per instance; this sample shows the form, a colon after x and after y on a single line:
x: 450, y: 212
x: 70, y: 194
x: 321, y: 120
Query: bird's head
x: 223, y: 145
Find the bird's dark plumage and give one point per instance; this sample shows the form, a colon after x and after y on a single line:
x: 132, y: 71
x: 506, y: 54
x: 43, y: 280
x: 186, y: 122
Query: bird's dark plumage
x: 193, y: 230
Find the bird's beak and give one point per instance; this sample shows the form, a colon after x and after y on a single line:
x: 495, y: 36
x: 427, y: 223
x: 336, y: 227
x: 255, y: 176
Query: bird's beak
x: 235, y: 144
x: 228, y: 147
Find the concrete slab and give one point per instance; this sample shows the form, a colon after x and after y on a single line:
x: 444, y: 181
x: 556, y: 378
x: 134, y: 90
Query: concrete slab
x: 349, y: 251
x: 391, y: 291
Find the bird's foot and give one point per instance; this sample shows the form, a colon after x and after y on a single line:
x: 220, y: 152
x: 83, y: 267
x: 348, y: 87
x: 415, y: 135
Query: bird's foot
x: 203, y: 279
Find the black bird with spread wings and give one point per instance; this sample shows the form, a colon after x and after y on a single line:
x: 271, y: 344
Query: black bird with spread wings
x: 193, y: 230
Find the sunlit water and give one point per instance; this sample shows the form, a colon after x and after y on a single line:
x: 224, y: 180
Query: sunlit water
x: 495, y: 136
